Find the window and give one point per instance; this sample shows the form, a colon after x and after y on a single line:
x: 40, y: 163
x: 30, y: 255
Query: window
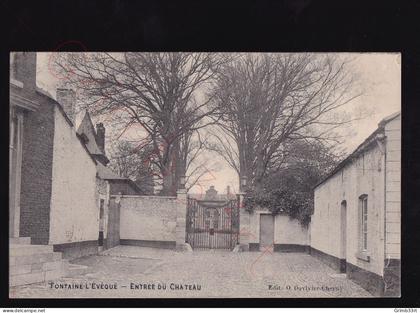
x: 363, y: 201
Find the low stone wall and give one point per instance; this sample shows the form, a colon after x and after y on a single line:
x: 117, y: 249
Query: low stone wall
x: 151, y: 221
x: 290, y: 235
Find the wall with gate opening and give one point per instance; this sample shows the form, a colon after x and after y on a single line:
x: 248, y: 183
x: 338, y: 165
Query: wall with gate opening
x: 288, y: 234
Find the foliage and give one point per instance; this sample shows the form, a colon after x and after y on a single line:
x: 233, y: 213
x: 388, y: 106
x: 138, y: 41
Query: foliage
x: 290, y: 188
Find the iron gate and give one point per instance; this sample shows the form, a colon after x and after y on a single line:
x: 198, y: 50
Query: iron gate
x: 212, y: 224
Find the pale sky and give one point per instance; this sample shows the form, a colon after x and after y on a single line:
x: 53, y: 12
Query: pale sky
x: 379, y: 75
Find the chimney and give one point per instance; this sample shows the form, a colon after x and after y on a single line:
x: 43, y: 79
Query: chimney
x: 228, y: 190
x: 67, y: 99
x: 100, y: 136
x: 23, y: 68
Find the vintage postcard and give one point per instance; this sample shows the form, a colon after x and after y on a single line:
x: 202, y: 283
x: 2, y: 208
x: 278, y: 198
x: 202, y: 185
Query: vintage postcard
x: 204, y: 175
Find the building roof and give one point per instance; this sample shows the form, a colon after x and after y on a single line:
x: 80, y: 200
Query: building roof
x: 78, y: 118
x: 361, y: 148
x: 388, y: 118
x: 45, y: 93
x: 218, y: 197
x: 107, y: 174
x: 83, y: 125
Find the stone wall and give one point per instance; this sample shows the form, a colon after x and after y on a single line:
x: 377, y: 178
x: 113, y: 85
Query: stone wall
x: 148, y: 220
x: 290, y: 235
x: 37, y: 155
x: 74, y: 217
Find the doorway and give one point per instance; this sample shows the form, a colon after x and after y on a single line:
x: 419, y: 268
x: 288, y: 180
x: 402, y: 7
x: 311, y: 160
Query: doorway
x: 15, y: 167
x: 343, y: 239
x: 266, y: 232
x: 101, y: 223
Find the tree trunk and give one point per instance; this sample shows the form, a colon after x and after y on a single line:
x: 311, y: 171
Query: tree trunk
x: 167, y: 188
x: 172, y: 171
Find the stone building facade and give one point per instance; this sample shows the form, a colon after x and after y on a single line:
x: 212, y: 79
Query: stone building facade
x: 52, y: 181
x: 52, y: 174
x: 356, y: 224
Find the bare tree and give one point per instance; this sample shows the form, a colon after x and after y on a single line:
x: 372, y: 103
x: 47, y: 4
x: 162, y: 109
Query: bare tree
x: 132, y: 163
x: 264, y: 101
x: 160, y: 92
x: 193, y: 158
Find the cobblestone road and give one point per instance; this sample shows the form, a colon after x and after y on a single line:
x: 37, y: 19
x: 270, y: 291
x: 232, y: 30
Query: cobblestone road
x: 170, y: 274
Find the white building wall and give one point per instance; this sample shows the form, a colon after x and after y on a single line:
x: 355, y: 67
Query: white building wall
x: 74, y: 215
x: 323, y: 231
x: 364, y: 175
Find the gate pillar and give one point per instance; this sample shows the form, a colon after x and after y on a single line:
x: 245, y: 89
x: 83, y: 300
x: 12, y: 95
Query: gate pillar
x: 244, y: 224
x: 181, y: 216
